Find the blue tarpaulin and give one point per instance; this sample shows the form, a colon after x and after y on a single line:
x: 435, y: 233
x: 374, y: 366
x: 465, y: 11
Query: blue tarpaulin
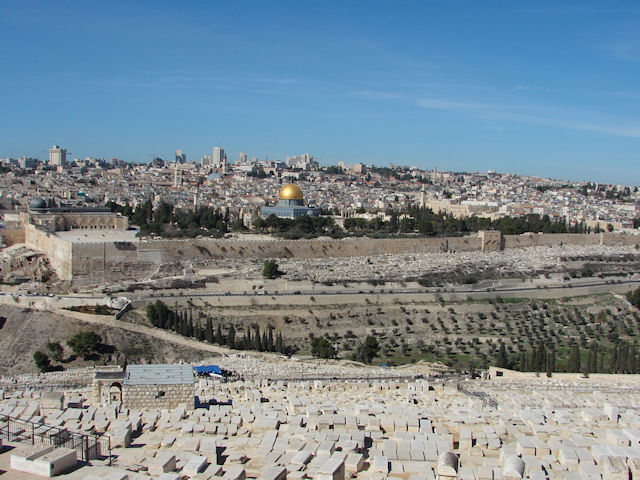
x: 208, y: 369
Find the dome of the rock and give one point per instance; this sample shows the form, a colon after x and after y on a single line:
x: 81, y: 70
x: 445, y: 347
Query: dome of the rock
x: 290, y: 192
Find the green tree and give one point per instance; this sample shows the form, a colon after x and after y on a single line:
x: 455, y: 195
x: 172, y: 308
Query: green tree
x: 573, y: 364
x: 220, y: 340
x: 231, y: 337
x: 208, y: 331
x: 367, y: 350
x: 84, y: 343
x: 501, y: 359
x: 42, y: 361
x: 238, y: 225
x: 270, y: 345
x: 634, y: 297
x: 56, y: 350
x: 270, y: 269
x: 322, y: 348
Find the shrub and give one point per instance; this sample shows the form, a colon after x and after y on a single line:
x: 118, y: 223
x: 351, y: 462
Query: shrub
x: 42, y: 361
x: 322, y: 348
x: 84, y: 343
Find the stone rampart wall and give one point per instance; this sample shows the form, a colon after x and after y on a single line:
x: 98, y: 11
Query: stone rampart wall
x: 148, y: 397
x: 199, y: 249
x: 175, y: 250
x: 557, y: 239
x: 57, y: 250
x: 107, y: 262
x: 11, y: 236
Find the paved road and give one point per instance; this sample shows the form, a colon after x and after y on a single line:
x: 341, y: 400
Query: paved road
x: 567, y: 289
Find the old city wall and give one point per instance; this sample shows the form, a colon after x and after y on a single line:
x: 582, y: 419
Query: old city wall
x: 101, y: 263
x: 558, y: 239
x: 11, y: 236
x: 58, y: 251
x: 108, y: 262
x: 203, y: 249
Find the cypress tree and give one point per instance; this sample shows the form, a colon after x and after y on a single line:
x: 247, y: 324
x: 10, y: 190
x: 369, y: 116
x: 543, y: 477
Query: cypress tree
x: 614, y: 359
x: 270, y: 346
x: 257, y: 341
x: 231, y: 337
x: 541, y: 357
x: 219, y: 338
x: 623, y: 358
x: 208, y: 332
x: 573, y: 363
x: 501, y: 360
x: 601, y: 367
x: 190, y: 328
x: 632, y: 360
x: 279, y: 345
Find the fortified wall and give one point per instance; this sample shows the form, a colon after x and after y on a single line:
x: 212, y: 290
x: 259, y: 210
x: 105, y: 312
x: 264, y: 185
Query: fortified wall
x: 105, y: 262
x: 57, y: 250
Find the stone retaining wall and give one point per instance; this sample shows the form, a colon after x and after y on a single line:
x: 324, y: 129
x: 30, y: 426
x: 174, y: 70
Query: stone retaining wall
x: 108, y: 262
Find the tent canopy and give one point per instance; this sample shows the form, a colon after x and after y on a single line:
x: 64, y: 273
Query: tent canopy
x: 208, y: 369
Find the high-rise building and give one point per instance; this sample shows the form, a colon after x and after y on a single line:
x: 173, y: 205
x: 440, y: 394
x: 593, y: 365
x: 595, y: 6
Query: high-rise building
x: 304, y: 162
x: 57, y: 156
x: 27, y: 162
x: 180, y: 156
x: 218, y: 157
x: 242, y: 158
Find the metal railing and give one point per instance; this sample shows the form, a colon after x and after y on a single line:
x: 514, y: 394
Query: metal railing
x: 487, y: 400
x: 87, y: 447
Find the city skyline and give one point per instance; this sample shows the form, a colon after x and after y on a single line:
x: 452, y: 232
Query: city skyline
x: 546, y: 90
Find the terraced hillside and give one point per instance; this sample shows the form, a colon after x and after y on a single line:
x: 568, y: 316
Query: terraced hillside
x: 462, y: 333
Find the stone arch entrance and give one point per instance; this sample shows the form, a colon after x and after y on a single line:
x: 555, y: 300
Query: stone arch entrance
x: 107, y: 385
x: 115, y: 392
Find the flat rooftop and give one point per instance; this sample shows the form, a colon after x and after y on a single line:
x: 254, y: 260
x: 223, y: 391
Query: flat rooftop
x: 97, y: 235
x: 109, y: 375
x: 159, y: 374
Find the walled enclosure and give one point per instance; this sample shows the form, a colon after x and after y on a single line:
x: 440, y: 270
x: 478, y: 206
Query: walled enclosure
x: 105, y: 262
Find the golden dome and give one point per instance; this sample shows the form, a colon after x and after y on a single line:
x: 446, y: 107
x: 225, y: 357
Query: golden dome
x: 290, y: 192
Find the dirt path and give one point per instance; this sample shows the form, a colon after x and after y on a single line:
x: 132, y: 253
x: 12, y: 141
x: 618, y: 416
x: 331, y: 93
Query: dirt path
x: 104, y: 320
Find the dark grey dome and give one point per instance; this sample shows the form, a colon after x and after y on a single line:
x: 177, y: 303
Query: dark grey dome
x: 37, y: 202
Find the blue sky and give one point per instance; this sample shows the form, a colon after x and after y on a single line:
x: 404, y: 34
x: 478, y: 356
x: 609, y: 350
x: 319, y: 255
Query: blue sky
x: 540, y: 88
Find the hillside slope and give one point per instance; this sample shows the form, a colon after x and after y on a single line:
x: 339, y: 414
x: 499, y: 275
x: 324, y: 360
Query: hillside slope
x: 23, y: 331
